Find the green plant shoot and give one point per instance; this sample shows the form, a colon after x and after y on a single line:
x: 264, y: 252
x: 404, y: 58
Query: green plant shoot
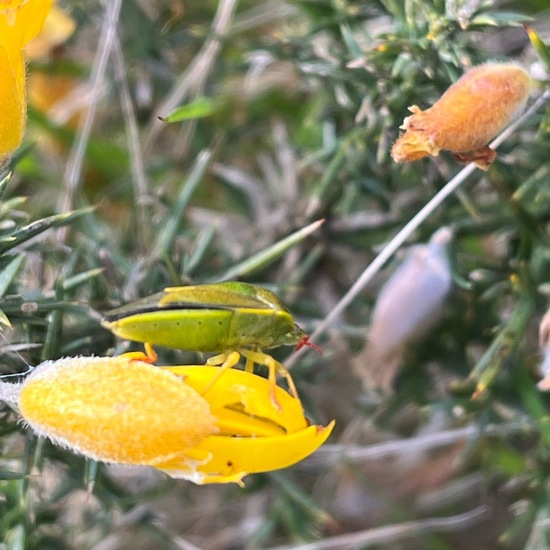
x: 233, y: 318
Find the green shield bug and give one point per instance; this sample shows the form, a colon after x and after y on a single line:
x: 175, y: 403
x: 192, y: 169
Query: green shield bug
x: 231, y: 317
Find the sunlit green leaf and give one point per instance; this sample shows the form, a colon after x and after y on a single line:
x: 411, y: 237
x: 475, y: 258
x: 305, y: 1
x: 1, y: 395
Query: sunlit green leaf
x: 543, y: 51
x: 200, y: 108
x: 501, y: 18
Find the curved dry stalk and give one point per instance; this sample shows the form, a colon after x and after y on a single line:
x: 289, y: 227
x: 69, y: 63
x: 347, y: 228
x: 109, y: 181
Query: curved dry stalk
x: 194, y: 78
x: 422, y: 215
x: 139, y: 177
x: 73, y: 169
x: 335, y: 453
x: 399, y: 531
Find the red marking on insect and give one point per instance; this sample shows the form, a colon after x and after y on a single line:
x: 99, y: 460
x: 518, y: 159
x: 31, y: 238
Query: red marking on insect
x: 304, y: 341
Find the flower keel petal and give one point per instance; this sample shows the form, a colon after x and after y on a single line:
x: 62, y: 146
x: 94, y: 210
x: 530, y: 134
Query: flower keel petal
x: 222, y: 459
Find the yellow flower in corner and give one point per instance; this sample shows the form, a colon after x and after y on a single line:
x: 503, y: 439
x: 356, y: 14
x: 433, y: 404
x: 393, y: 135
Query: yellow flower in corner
x: 125, y: 411
x: 20, y: 22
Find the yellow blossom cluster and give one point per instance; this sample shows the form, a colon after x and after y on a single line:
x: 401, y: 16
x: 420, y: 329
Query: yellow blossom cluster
x: 125, y: 411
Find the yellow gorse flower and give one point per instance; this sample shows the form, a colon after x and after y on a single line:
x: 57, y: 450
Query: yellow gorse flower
x: 20, y: 22
x: 55, y: 94
x: 124, y: 411
x: 254, y: 435
x: 57, y: 29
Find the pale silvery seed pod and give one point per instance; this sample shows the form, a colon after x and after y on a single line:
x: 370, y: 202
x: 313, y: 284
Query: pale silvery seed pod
x: 409, y: 304
x: 544, y: 342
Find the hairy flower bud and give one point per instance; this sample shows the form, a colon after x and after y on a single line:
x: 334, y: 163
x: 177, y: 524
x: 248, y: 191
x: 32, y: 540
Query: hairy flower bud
x: 115, y: 409
x: 467, y: 116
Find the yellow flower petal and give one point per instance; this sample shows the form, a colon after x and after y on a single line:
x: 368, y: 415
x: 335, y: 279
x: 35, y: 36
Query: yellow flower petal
x: 10, y: 5
x: 223, y: 459
x: 58, y: 27
x: 12, y: 103
x: 114, y: 409
x: 242, y: 391
x: 254, y: 435
x: 20, y: 22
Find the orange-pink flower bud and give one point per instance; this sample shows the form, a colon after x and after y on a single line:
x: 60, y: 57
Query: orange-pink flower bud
x: 467, y: 116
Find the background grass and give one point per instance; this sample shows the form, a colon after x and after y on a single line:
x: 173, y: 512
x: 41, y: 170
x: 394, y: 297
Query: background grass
x: 292, y: 108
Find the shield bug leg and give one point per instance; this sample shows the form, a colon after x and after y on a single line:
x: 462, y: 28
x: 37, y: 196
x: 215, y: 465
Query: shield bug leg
x: 272, y: 378
x: 249, y: 366
x: 224, y: 361
x: 150, y: 352
x: 149, y: 356
x: 217, y: 360
x: 274, y: 368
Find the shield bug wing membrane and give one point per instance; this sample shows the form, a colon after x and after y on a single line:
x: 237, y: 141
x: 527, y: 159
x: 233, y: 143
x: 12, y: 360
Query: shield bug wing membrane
x: 227, y: 295
x: 148, y: 303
